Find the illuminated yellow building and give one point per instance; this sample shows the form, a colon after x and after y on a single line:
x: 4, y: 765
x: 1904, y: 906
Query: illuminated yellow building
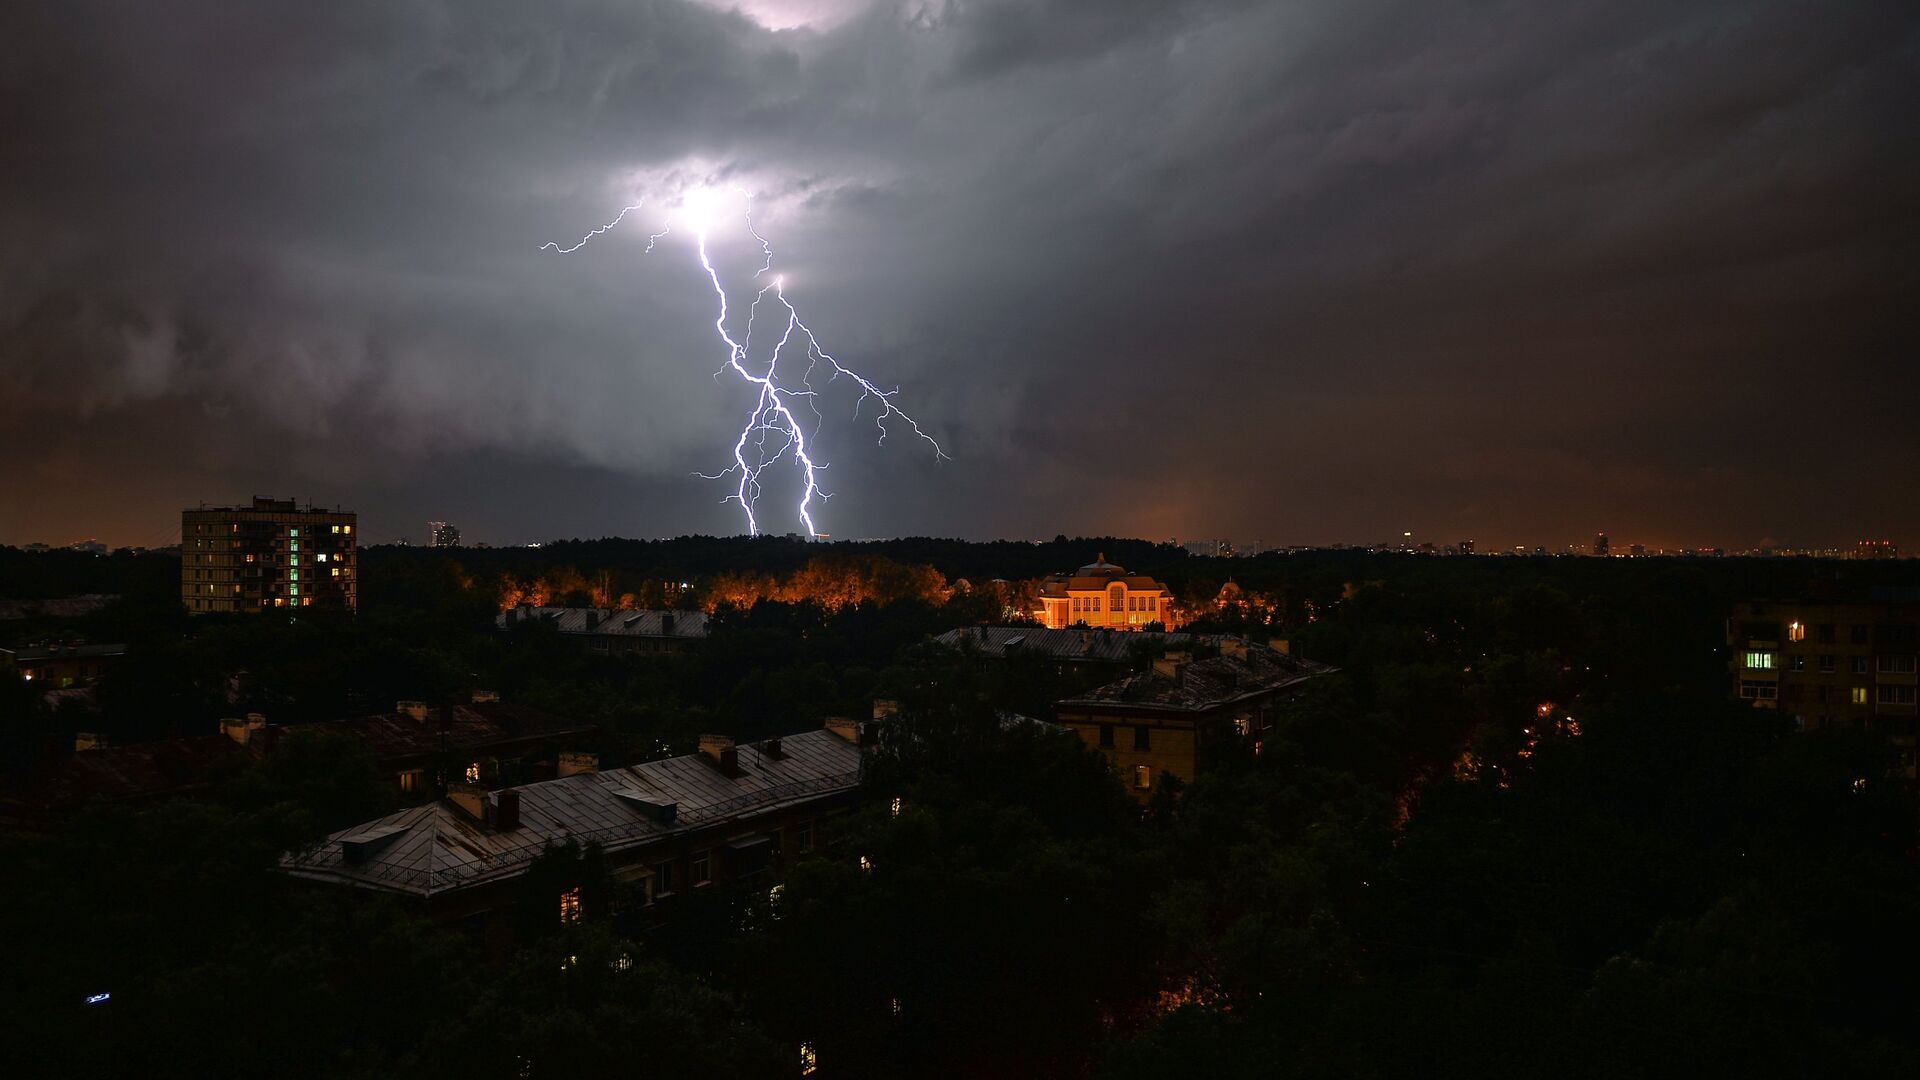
x: 1103, y: 596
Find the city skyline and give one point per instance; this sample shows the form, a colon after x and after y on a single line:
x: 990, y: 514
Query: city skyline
x: 1330, y: 272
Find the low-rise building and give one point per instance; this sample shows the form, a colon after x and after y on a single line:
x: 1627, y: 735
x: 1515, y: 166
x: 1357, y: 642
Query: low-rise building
x: 1101, y: 595
x: 58, y: 667
x: 616, y: 631
x: 1167, y: 719
x: 1832, y: 664
x: 424, y: 748
x: 728, y: 813
x: 1071, y: 646
x: 76, y: 773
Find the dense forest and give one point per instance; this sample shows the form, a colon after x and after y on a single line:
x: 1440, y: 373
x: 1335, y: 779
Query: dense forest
x: 1523, y: 831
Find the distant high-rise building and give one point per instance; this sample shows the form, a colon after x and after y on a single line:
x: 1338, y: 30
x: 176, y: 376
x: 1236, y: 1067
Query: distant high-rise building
x: 442, y: 534
x: 1601, y: 546
x: 271, y: 554
x: 1466, y: 547
x: 1637, y: 550
x: 1875, y: 549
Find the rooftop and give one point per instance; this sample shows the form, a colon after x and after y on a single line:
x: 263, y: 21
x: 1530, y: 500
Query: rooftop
x: 1088, y: 645
x: 616, y: 622
x: 1242, y: 670
x: 133, y: 771
x: 434, y: 849
x: 49, y: 652
x: 426, y: 729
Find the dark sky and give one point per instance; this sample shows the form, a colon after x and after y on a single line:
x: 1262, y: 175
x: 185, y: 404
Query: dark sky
x: 1303, y: 272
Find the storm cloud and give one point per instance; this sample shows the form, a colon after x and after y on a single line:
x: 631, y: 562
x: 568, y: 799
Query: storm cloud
x: 1298, y: 271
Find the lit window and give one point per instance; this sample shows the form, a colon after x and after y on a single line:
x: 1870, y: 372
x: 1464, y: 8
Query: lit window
x: 1859, y: 695
x: 293, y: 575
x: 322, y: 557
x: 473, y: 773
x: 293, y: 532
x: 410, y: 780
x: 570, y: 905
x: 809, y: 1061
x: 1758, y: 660
x: 1142, y: 777
x: 346, y: 528
x: 895, y: 808
x: 866, y: 865
x: 702, y: 869
x: 1796, y: 631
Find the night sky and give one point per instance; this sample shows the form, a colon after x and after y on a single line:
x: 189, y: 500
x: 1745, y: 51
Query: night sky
x: 1302, y: 272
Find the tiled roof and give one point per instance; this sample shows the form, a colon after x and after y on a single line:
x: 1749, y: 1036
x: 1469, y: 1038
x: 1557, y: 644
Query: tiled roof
x: 1205, y: 684
x: 133, y: 771
x: 611, y: 622
x: 477, y: 726
x: 433, y: 849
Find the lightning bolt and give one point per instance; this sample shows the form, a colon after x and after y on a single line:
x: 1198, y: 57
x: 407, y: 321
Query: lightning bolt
x: 773, y: 431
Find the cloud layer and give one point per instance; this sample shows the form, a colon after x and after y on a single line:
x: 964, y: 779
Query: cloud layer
x: 1305, y: 272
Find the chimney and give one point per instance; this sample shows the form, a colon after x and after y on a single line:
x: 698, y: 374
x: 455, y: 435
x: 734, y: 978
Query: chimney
x: 593, y: 618
x: 719, y: 750
x: 885, y: 708
x: 484, y: 697
x: 506, y: 809
x: 470, y: 798
x: 415, y: 709
x: 578, y: 764
x: 1280, y: 645
x: 1234, y: 647
x: 666, y: 624
x: 1173, y: 666
x: 843, y: 727
x: 770, y: 748
x: 88, y: 740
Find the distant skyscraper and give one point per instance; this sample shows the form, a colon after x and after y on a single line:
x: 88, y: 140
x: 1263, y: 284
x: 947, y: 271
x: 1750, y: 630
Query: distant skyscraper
x: 271, y: 554
x: 442, y: 534
x: 1875, y: 549
x: 1466, y: 547
x: 1601, y: 547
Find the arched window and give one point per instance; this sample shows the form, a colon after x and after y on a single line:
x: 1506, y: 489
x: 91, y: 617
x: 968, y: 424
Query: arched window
x: 1117, y: 597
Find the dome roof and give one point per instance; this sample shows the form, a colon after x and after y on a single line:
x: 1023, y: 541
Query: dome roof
x: 1100, y: 567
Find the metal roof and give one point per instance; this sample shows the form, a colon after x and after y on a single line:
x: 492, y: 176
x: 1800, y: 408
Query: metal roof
x: 1205, y: 684
x: 1090, y: 645
x: 610, y: 622
x: 434, y: 849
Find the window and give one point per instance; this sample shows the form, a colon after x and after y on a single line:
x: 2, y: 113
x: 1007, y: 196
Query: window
x: 662, y: 878
x: 1896, y: 695
x: 570, y: 905
x: 1141, y: 738
x: 346, y: 528
x: 866, y: 865
x: 1096, y: 603
x: 322, y: 557
x: 1757, y: 691
x: 336, y: 528
x: 1859, y: 695
x: 1796, y: 631
x: 700, y: 869
x: 1799, y: 663
x: 410, y: 780
x: 1859, y: 665
x: 293, y: 532
x: 1759, y: 660
x: 473, y: 773
x: 1106, y: 736
x: 1142, y: 777
x: 1826, y: 665
x: 894, y: 808
x: 1857, y: 634
x: 1823, y: 633
x: 803, y: 836
x: 1902, y: 665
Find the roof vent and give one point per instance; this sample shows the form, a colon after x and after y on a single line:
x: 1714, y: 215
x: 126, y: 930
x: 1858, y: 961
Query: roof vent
x: 364, y: 845
x: 470, y: 798
x: 506, y: 809
x: 661, y: 811
x: 572, y: 763
x: 770, y: 748
x: 415, y: 709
